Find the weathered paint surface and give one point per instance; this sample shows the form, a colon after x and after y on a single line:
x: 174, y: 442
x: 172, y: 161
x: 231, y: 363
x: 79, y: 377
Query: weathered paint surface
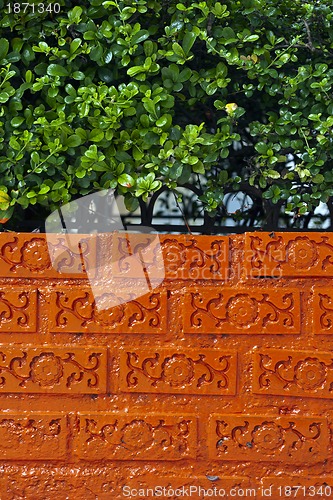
x: 222, y: 377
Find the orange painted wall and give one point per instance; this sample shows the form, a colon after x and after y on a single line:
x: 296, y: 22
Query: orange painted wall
x: 220, y: 378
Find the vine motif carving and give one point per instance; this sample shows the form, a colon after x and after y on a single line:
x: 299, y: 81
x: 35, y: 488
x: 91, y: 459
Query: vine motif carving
x: 242, y: 310
x: 41, y: 437
x: 30, y: 428
x: 268, y: 438
x: 37, y: 486
x: 139, y: 437
x: 184, y: 258
x: 178, y: 371
x: 126, y: 248
x: 48, y: 370
x: 32, y: 255
x: 297, y: 373
x: 82, y: 306
x: 17, y: 310
x: 326, y: 305
x: 177, y: 255
x: 300, y: 254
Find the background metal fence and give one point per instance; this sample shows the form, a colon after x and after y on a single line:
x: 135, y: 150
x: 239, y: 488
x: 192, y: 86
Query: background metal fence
x: 244, y: 210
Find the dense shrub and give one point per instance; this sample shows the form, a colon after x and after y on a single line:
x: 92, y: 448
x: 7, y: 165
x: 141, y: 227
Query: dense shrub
x: 136, y: 94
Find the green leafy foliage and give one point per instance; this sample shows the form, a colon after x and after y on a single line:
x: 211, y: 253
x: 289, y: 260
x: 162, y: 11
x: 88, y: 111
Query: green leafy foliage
x: 136, y: 95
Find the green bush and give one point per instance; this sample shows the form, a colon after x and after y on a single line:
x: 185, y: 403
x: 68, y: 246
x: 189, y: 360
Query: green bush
x: 139, y: 94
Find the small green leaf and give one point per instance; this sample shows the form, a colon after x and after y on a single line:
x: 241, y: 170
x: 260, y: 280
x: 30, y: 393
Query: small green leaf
x: 44, y: 189
x: 139, y: 37
x: 70, y: 90
x: 78, y: 75
x: 178, y: 50
x: 75, y: 44
x: 137, y: 153
x: 261, y: 147
x: 318, y: 179
x: 28, y: 76
x: 163, y: 120
x: 17, y: 121
x: 250, y: 38
x: 56, y: 70
x: 73, y: 141
x: 188, y: 41
x: 4, y: 96
x: 131, y: 204
x: 96, y: 135
x: 135, y: 70
x: 273, y: 174
x: 80, y: 174
x: 198, y: 168
x: 74, y: 15
x: 228, y: 32
x: 126, y: 180
x: 4, y: 46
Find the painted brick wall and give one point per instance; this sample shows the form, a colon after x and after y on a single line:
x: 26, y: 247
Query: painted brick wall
x: 221, y: 377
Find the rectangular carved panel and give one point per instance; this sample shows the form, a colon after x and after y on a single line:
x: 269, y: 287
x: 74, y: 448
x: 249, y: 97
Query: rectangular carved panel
x: 286, y: 254
x: 225, y: 310
x: 172, y: 371
x: 33, y: 437
x: 323, y: 311
x: 41, y: 486
x: 178, y: 256
x: 74, y: 310
x: 49, y: 369
x: 270, y: 438
x: 18, y: 310
x: 27, y: 255
x: 110, y: 436
x: 293, y: 373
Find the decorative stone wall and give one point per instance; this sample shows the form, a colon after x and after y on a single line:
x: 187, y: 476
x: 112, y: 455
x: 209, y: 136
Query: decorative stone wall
x: 220, y: 378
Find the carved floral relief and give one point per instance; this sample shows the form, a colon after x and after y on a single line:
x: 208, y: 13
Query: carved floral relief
x: 260, y: 311
x: 183, y: 257
x: 292, y: 439
x: 46, y: 369
x: 23, y: 255
x: 169, y: 371
x: 35, y: 437
x: 294, y: 373
x: 118, y: 437
x: 18, y: 310
x: 75, y: 310
x: 285, y: 254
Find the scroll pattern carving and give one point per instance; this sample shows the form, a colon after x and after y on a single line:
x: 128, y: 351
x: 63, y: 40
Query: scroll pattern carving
x: 76, y: 311
x: 190, y: 372
x: 266, y: 311
x: 184, y: 257
x: 261, y: 438
x: 323, y: 305
x: 41, y: 486
x: 52, y: 370
x: 141, y: 438
x: 18, y: 310
x: 294, y: 373
x: 285, y: 255
x: 27, y: 255
x: 37, y: 437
